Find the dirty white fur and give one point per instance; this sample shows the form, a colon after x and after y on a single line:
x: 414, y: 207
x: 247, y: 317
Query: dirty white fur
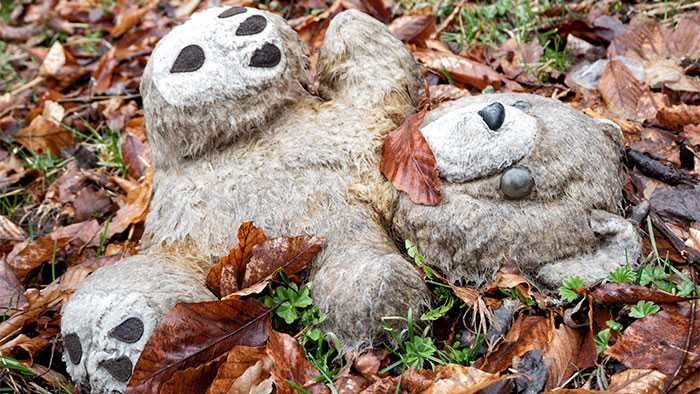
x: 295, y: 165
x: 566, y: 226
x: 468, y: 149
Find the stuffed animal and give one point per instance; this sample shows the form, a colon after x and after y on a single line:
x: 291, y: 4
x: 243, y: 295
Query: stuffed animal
x: 235, y: 136
x: 526, y: 180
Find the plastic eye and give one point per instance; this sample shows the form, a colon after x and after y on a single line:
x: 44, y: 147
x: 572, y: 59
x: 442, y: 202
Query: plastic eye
x: 119, y: 368
x: 493, y: 114
x: 232, y: 11
x: 517, y: 183
x: 253, y: 25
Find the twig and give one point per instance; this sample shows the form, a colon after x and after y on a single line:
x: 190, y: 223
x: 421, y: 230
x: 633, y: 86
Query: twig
x: 448, y: 20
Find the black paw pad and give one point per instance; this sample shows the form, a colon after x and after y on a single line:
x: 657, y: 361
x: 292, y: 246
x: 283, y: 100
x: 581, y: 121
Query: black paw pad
x: 75, y: 350
x: 129, y: 331
x: 232, y: 11
x: 493, y: 114
x: 253, y: 25
x: 267, y: 57
x: 191, y: 58
x: 119, y: 368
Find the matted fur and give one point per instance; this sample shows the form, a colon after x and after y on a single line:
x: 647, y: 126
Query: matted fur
x: 295, y: 165
x: 566, y: 226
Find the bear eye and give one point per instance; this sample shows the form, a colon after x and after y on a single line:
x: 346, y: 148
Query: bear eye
x: 190, y: 58
x: 493, y: 114
x: 517, y: 183
x: 129, y: 331
x: 266, y: 57
x: 73, y: 347
x: 232, y: 12
x: 253, y: 25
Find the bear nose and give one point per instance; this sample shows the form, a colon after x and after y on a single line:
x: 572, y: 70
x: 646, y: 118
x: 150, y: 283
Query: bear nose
x: 493, y: 114
x: 120, y: 368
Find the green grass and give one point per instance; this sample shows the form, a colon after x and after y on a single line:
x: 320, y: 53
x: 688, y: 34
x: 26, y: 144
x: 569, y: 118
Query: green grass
x: 105, y: 142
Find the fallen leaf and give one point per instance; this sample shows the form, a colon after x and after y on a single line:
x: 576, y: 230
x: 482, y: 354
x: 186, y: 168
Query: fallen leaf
x: 223, y: 282
x: 677, y: 203
x: 409, y: 164
x: 620, y: 90
x: 458, y: 379
x: 413, y: 28
x: 128, y: 18
x: 135, y: 207
x: 45, y: 134
x: 38, y: 302
x: 526, y: 333
x: 289, y: 364
x: 678, y: 116
x: 134, y: 156
x: 29, y: 255
x: 611, y: 293
x: 194, y: 334
x: 289, y: 254
x: 53, y: 62
x: 244, y: 368
x: 11, y: 291
x: 641, y: 346
x: 634, y: 381
x: 460, y: 69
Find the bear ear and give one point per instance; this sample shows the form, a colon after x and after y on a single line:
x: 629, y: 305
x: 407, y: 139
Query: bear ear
x: 190, y: 58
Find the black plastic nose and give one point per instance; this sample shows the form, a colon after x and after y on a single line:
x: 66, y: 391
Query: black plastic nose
x: 120, y: 368
x: 493, y: 114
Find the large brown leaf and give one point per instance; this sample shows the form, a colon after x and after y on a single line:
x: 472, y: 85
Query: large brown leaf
x: 409, y: 164
x: 631, y: 294
x: 226, y: 275
x: 658, y: 341
x: 195, y: 334
x: 252, y: 263
x: 678, y: 116
x: 244, y: 368
x: 416, y: 28
x: 621, y: 91
x: 45, y: 134
x: 453, y: 378
x: 459, y: 68
x: 290, y: 365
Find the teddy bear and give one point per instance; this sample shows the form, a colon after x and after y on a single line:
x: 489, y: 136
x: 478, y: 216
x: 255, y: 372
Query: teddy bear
x: 238, y: 131
x: 235, y: 135
x: 527, y: 180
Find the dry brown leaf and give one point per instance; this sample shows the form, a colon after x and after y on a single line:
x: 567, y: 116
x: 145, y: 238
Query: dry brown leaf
x: 244, y: 368
x: 27, y: 256
x: 641, y: 346
x: 53, y: 62
x: 134, y: 209
x: 134, y: 156
x: 458, y: 379
x: 637, y: 381
x: 678, y: 116
x: 610, y: 293
x: 459, y: 68
x: 413, y: 28
x: 289, y: 254
x: 129, y: 18
x: 10, y: 231
x: 38, y: 302
x: 192, y: 335
x: 45, y: 134
x: 561, y: 355
x: 11, y: 291
x: 289, y: 364
x: 620, y: 90
x: 226, y: 276
x: 409, y: 164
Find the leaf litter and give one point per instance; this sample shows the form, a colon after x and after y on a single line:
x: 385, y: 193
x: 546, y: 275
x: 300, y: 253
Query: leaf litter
x: 76, y: 183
